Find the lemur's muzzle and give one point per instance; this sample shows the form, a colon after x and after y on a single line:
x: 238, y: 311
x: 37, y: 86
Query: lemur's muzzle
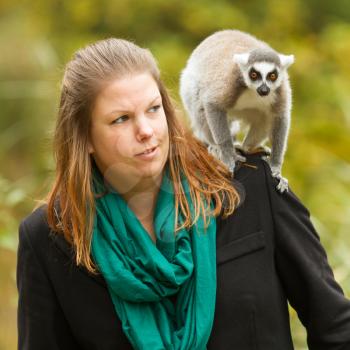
x: 263, y: 90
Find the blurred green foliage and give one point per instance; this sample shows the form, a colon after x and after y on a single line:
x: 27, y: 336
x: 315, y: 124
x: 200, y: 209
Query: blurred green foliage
x: 38, y: 37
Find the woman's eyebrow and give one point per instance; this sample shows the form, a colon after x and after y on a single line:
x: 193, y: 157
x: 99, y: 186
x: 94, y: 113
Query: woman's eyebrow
x: 155, y: 99
x: 126, y: 111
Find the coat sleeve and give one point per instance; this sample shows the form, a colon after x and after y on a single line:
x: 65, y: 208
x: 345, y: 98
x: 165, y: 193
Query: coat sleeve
x: 305, y: 273
x: 40, y: 321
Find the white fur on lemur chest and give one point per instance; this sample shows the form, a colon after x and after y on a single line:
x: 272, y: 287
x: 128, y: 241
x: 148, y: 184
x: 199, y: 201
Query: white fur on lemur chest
x: 249, y: 100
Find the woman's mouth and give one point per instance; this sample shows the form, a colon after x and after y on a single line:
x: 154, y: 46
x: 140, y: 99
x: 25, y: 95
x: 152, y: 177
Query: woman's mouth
x: 148, y: 154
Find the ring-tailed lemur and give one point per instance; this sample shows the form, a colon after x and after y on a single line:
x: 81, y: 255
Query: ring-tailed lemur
x: 233, y: 76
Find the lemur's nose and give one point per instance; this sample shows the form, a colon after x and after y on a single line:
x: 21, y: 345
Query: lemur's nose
x: 263, y: 90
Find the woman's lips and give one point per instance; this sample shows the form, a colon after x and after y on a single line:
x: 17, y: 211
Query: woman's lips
x: 148, y: 155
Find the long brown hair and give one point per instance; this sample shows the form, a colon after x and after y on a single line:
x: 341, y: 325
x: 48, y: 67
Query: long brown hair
x: 71, y: 202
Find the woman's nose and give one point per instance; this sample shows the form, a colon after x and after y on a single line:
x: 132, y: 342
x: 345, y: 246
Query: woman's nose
x: 144, y: 129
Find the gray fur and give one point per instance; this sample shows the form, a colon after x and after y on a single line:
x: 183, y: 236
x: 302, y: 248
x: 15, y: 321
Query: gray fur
x: 267, y: 55
x: 216, y: 88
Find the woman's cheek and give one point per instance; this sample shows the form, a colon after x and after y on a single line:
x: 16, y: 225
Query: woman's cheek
x: 118, y: 144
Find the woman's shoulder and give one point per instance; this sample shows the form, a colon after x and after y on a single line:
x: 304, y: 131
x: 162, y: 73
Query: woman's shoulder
x: 36, y: 234
x: 34, y: 227
x: 254, y: 179
x: 37, y: 219
x: 255, y: 176
x: 255, y: 170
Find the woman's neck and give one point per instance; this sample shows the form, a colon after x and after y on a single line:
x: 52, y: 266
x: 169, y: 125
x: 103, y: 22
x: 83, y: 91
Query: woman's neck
x: 143, y: 197
x: 142, y: 204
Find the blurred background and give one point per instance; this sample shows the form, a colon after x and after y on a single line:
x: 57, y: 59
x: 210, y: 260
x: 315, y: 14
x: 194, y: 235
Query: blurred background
x: 38, y: 37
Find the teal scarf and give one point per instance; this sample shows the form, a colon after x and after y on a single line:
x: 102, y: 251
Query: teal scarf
x: 142, y: 276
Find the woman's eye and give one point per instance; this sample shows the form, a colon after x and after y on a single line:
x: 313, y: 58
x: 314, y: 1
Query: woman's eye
x: 154, y: 108
x: 119, y: 120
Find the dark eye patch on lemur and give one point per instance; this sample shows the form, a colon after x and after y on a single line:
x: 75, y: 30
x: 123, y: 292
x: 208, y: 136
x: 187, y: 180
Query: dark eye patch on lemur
x: 254, y: 74
x: 273, y: 75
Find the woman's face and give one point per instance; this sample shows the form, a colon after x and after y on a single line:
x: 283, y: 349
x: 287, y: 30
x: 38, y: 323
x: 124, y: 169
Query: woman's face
x: 129, y: 137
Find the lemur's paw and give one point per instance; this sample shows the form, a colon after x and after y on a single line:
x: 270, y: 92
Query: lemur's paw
x: 231, y: 164
x: 266, y: 159
x: 239, y: 158
x: 266, y: 149
x: 276, y: 173
x: 231, y: 168
x: 252, y: 150
x: 239, y: 146
x: 231, y: 159
x: 283, y: 182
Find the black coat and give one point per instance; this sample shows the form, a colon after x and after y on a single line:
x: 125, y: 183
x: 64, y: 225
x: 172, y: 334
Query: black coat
x: 268, y: 252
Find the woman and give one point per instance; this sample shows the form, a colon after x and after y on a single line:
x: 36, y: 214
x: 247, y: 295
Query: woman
x: 145, y: 241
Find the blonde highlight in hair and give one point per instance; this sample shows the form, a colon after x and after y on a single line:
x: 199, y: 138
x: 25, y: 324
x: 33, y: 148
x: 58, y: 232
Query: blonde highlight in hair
x: 71, y: 201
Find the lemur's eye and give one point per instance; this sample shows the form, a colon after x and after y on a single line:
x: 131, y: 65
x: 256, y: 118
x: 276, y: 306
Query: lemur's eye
x: 253, y: 75
x: 273, y: 76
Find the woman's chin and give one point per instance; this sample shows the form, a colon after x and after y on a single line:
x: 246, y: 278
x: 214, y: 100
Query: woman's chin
x: 150, y: 171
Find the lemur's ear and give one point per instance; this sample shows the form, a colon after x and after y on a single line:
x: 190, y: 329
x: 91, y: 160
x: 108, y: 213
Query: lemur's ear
x: 241, y: 58
x: 286, y: 60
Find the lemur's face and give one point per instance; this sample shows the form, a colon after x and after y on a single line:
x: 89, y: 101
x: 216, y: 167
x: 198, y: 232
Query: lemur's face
x: 264, y: 77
